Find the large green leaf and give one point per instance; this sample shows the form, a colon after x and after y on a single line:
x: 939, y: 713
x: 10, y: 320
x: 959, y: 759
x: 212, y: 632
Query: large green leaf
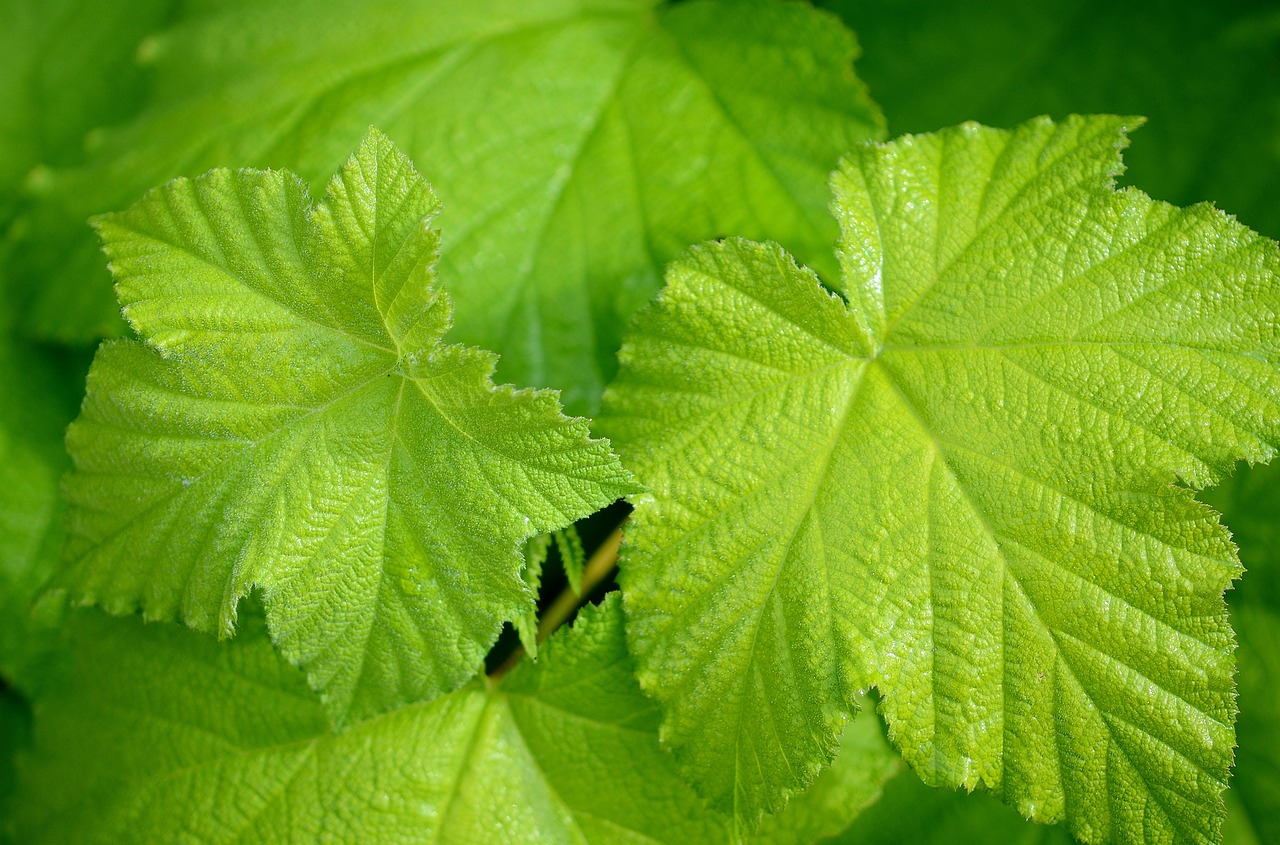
x: 1206, y: 74
x: 158, y: 730
x: 911, y: 813
x: 294, y: 423
x: 955, y: 482
x: 579, y: 144
x: 66, y: 66
x: 162, y: 731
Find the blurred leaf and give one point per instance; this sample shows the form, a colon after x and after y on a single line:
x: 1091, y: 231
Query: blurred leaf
x: 579, y: 144
x: 1206, y: 75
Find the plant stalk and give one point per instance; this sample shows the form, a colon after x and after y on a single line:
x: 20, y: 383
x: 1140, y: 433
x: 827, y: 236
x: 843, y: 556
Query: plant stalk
x: 602, y: 561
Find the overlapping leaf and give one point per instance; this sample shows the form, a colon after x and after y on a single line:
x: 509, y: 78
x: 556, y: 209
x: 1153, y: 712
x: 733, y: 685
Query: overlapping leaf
x: 580, y: 145
x: 66, y: 66
x: 955, y: 482
x: 160, y: 730
x: 297, y: 425
x: 1207, y: 75
x: 164, y: 731
x: 840, y: 795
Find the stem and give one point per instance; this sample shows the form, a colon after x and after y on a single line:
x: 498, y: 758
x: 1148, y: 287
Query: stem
x: 599, y: 565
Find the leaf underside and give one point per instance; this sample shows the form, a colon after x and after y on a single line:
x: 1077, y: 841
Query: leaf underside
x: 294, y: 423
x: 954, y: 481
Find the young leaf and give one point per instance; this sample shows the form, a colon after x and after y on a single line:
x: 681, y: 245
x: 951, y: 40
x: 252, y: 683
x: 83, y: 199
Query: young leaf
x: 526, y: 624
x: 572, y: 556
x: 163, y: 731
x: 580, y: 146
x: 296, y: 424
x: 956, y: 484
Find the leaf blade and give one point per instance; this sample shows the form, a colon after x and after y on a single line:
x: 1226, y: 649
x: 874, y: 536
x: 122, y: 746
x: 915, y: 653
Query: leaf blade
x: 300, y: 427
x: 945, y: 453
x: 641, y: 127
x: 233, y: 729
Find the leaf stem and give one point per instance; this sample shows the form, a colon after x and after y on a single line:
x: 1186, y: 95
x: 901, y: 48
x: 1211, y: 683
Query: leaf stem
x: 602, y: 561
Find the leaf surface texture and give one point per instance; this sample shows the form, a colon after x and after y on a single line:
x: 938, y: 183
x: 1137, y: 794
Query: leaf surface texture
x: 157, y: 729
x: 294, y: 423
x: 953, y: 479
x: 579, y: 146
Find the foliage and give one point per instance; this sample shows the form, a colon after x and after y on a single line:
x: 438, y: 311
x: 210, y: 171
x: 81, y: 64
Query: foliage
x: 895, y: 486
x: 934, y: 511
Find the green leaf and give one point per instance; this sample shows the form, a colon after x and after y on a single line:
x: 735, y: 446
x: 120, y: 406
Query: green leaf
x: 1250, y: 503
x: 956, y: 484
x: 15, y: 737
x: 295, y: 424
x: 840, y: 794
x: 526, y: 624
x: 1207, y: 76
x: 1253, y: 809
x: 163, y: 731
x: 911, y: 813
x: 572, y: 556
x: 66, y: 66
x: 36, y: 403
x: 579, y: 144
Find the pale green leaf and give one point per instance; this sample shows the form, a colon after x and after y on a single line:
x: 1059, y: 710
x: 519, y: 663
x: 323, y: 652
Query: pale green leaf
x: 295, y: 424
x: 911, y: 813
x: 579, y: 144
x: 956, y: 484
x: 164, y: 732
